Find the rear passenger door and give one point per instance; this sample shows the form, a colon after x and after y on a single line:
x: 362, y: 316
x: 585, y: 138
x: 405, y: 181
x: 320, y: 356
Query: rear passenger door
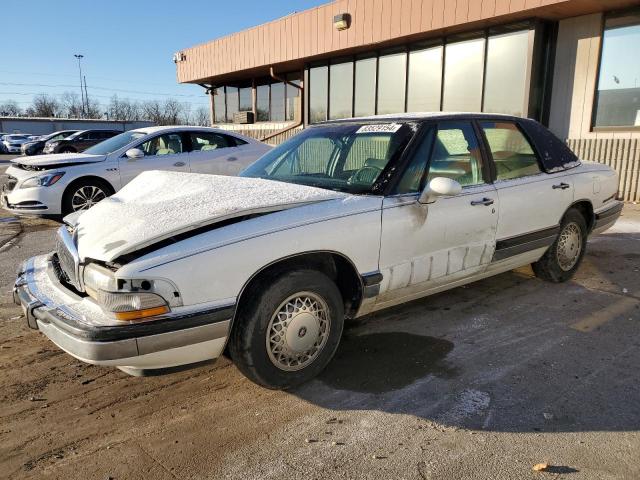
x: 215, y: 153
x: 532, y: 202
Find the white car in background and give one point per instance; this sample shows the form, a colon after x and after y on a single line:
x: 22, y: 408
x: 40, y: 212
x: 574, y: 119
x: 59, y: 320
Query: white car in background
x: 13, y: 143
x: 60, y: 184
x: 343, y: 219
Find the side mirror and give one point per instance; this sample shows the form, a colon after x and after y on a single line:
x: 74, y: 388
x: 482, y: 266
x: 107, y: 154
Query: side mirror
x: 134, y: 153
x: 439, y: 187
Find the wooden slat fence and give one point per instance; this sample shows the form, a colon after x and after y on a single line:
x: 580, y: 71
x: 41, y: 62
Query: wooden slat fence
x: 621, y: 154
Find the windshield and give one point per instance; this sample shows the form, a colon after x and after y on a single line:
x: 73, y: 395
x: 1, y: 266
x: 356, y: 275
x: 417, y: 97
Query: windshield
x: 114, y: 143
x: 345, y: 157
x: 56, y: 136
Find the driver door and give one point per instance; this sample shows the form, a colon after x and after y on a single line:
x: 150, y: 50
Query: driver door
x: 163, y: 152
x: 425, y: 247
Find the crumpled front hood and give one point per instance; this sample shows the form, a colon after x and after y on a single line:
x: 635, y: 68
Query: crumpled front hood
x: 58, y: 159
x: 157, y: 205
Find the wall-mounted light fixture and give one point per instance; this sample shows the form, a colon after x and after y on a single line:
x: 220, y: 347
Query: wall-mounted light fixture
x: 179, y: 57
x: 342, y: 21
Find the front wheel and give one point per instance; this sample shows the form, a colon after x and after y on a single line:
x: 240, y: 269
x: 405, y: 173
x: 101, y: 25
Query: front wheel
x: 289, y: 330
x: 563, y: 258
x: 84, y: 195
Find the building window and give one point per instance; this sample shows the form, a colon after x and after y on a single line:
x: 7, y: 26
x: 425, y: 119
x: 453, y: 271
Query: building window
x: 318, y: 85
x: 506, y: 77
x: 218, y: 106
x: 463, y: 76
x: 262, y: 103
x: 618, y: 94
x: 277, y: 102
x: 365, y: 94
x: 392, y: 70
x: 293, y: 94
x: 425, y: 80
x: 245, y: 99
x: 341, y: 90
x: 233, y: 102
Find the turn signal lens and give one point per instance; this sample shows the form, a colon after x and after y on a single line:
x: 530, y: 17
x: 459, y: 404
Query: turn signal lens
x: 132, y: 305
x: 141, y: 314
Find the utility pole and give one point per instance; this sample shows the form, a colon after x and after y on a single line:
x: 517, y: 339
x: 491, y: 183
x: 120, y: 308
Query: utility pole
x: 86, y: 95
x: 80, y: 57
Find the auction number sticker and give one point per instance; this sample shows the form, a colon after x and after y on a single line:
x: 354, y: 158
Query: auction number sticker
x: 380, y: 128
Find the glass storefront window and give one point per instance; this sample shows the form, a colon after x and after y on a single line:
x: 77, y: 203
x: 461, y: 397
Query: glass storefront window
x: 262, y: 103
x: 292, y: 94
x: 277, y: 102
x: 245, y: 99
x: 232, y: 102
x: 218, y: 106
x: 463, y: 76
x: 391, y: 83
x: 341, y: 90
x: 618, y: 94
x: 425, y: 80
x: 505, y: 89
x: 318, y: 83
x: 365, y: 94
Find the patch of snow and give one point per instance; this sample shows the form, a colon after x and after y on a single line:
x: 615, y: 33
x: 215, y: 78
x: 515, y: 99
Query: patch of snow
x: 158, y: 204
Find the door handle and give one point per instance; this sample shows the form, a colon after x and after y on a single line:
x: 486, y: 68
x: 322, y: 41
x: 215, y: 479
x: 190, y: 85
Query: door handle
x: 179, y: 164
x: 231, y: 159
x: 484, y: 201
x: 562, y: 186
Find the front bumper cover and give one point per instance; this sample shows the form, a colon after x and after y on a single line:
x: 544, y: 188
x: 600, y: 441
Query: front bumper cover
x: 57, y: 314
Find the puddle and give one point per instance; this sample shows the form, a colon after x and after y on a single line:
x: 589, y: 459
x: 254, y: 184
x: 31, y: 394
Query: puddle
x: 382, y: 362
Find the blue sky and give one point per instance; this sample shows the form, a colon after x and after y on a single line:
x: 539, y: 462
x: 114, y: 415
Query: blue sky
x: 127, y: 45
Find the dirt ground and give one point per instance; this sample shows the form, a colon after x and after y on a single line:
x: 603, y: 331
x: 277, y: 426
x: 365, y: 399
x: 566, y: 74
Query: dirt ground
x: 481, y: 382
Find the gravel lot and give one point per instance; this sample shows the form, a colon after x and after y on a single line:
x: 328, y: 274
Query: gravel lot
x: 481, y: 382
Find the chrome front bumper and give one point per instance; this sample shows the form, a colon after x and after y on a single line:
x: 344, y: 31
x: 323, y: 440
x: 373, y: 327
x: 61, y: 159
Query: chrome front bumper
x: 63, y: 317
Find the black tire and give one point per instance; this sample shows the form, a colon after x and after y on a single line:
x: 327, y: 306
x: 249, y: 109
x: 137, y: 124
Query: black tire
x: 549, y: 267
x: 68, y: 197
x: 248, y: 341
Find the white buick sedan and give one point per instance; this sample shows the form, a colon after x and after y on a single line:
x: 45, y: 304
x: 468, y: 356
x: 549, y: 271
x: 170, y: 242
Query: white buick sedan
x: 345, y: 218
x: 67, y: 182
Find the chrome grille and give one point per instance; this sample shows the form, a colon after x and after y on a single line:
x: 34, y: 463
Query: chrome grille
x: 9, y: 183
x: 66, y: 259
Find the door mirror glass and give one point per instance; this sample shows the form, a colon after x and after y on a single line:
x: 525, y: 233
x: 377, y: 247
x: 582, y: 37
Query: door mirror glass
x: 439, y: 187
x: 134, y: 153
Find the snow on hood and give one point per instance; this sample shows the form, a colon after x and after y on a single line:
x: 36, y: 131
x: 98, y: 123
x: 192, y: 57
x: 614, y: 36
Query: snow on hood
x: 157, y: 205
x: 58, y: 159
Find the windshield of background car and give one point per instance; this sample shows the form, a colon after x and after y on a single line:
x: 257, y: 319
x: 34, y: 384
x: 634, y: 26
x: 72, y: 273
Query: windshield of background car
x: 114, y: 143
x: 345, y: 157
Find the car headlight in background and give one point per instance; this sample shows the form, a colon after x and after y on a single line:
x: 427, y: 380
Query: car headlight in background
x: 129, y: 300
x: 42, y: 180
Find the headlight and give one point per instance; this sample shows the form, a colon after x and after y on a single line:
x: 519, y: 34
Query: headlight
x: 129, y: 300
x: 42, y: 180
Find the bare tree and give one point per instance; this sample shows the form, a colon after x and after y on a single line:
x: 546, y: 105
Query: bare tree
x: 94, y: 109
x: 202, y: 117
x: 71, y: 105
x: 44, y: 106
x: 152, y: 110
x: 10, y: 108
x: 123, y: 109
x: 172, y: 112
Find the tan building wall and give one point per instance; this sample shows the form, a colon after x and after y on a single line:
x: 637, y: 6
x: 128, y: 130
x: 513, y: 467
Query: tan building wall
x: 572, y: 102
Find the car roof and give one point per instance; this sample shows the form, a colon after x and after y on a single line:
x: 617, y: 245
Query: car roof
x: 423, y: 116
x: 186, y: 128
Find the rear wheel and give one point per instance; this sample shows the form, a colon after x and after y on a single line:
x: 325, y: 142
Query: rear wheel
x: 289, y: 329
x: 563, y: 258
x: 84, y: 194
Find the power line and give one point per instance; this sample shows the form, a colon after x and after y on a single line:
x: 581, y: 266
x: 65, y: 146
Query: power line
x: 94, y: 95
x: 141, y: 92
x: 67, y: 75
